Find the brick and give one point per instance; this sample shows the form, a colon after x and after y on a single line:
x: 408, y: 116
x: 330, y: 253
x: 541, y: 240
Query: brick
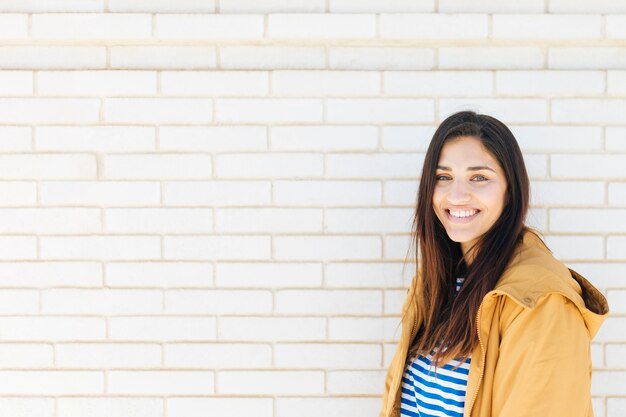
x: 546, y: 26
x: 159, y: 274
x: 438, y: 83
x: 355, y: 382
x: 268, y: 110
x: 582, y: 6
x: 617, y: 194
x: 268, y: 274
x: 325, y: 302
x: 237, y: 407
x: 395, y: 247
x: 496, y: 57
x: 400, y: 192
x: 16, y: 82
x: 327, y: 406
x: 490, y: 6
x: 588, y: 166
x: 47, y: 274
x: 608, y: 382
x: 213, y: 138
x: 91, y: 26
x: 327, y: 248
x: 508, y: 110
x: 323, y: 193
x: 323, y: 83
x: 364, y: 220
x: 614, y: 407
x: 52, y: 57
x: 363, y: 274
x: 17, y: 193
x: 51, y: 382
x: 393, y: 300
x: 50, y: 220
x: 558, y: 138
x: 407, y: 137
x: 271, y: 57
x: 54, y: 6
x: 380, y: 110
x: 377, y: 58
x: 576, y: 247
x: 612, y: 330
x: 552, y: 83
x: 19, y: 301
x: 207, y: 26
x: 324, y: 138
x: 216, y: 192
x: 218, y: 355
x: 29, y: 406
x: 615, y: 138
x: 322, y: 26
x: 597, y: 354
x: 433, y: 26
x: 107, y: 355
x: 272, y: 329
x: 272, y: 6
x: 158, y: 220
x: 374, y: 165
x: 15, y: 138
x: 616, y: 83
x: 51, y: 166
x: 46, y: 329
x: 616, y: 246
x: 567, y: 193
x: 159, y: 166
x: 222, y: 83
x: 276, y: 165
x: 13, y: 26
x: 271, y: 220
x: 615, y: 355
x: 615, y: 27
x: 603, y: 275
x: 218, y: 302
x: 373, y: 6
x: 95, y: 138
x: 100, y: 247
x: 101, y: 302
x: 587, y: 220
x: 537, y: 218
x: 108, y: 406
x: 49, y: 110
x: 602, y: 58
x: 162, y: 328
x: 166, y: 382
x: 163, y: 57
x: 271, y: 382
x: 26, y: 355
x: 364, y: 328
x: 161, y: 110
x: 327, y: 355
x: 617, y: 298
x: 161, y: 6
x: 99, y: 193
x: 217, y: 247
x: 609, y: 111
x: 102, y: 83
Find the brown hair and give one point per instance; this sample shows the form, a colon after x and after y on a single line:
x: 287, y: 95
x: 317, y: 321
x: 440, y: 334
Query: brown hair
x: 449, y: 319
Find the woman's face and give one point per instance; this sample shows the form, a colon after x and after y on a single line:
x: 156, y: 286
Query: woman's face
x: 470, y: 190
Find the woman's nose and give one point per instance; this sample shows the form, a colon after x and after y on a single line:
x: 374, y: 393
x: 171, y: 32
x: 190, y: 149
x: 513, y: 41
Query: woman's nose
x: 459, y: 192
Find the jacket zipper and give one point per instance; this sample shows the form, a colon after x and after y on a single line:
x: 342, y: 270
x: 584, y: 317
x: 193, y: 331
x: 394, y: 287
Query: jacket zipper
x: 482, y: 368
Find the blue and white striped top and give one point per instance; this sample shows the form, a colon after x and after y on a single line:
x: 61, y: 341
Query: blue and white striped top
x: 426, y: 396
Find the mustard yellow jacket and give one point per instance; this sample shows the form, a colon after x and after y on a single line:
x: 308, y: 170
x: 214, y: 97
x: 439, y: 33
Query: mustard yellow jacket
x: 535, y: 329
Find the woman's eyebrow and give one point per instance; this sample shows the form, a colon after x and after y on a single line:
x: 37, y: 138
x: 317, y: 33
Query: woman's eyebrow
x: 476, y: 168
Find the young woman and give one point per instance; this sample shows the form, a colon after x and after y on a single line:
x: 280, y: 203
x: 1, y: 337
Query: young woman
x: 493, y: 325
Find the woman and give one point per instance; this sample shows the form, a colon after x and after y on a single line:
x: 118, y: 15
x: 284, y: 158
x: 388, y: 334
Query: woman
x: 493, y: 325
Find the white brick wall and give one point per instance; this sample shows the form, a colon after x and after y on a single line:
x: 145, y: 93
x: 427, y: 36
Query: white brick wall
x: 205, y: 205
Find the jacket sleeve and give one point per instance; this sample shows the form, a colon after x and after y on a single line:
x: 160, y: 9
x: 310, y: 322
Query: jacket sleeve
x: 544, y: 364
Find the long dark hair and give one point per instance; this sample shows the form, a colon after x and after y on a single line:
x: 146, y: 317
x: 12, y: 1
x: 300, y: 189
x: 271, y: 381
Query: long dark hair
x: 449, y: 320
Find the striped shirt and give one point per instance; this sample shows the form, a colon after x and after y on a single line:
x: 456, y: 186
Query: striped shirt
x: 426, y: 396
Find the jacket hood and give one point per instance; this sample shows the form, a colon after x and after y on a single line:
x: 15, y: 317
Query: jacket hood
x: 534, y: 273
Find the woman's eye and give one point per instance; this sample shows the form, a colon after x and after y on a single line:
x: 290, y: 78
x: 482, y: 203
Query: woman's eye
x: 441, y: 177
x: 480, y: 178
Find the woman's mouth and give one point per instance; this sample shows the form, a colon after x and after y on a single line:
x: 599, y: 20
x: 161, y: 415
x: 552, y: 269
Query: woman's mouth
x: 461, y: 216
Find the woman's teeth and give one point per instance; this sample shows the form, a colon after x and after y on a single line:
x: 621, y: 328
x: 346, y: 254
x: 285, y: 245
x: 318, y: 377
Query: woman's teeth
x: 462, y: 213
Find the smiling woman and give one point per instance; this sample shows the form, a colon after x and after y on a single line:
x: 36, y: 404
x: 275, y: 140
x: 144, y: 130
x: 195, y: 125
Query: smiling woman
x: 493, y: 324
